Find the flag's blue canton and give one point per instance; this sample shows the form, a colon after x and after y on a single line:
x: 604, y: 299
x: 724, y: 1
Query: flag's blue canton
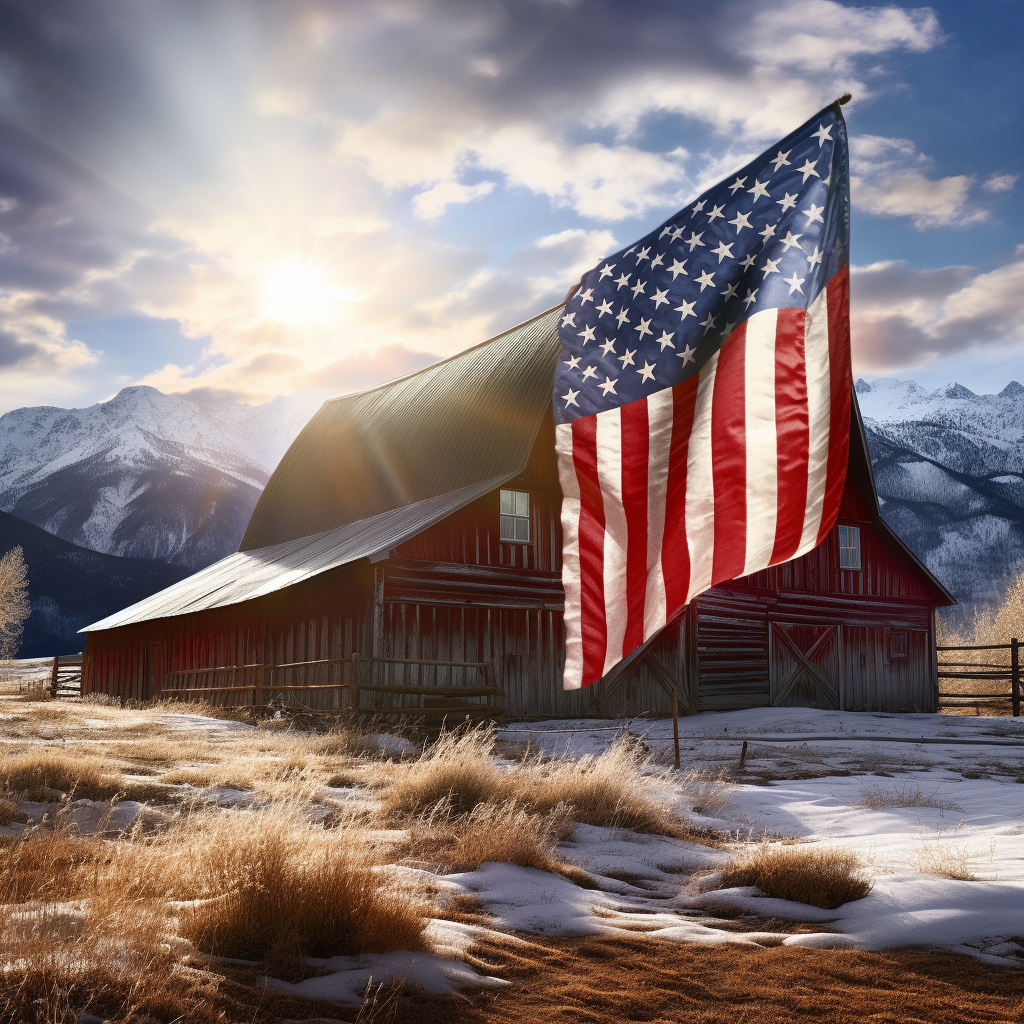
x: 651, y: 315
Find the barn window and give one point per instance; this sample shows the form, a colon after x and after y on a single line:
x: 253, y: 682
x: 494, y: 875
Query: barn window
x: 849, y: 547
x: 515, y: 516
x: 898, y: 644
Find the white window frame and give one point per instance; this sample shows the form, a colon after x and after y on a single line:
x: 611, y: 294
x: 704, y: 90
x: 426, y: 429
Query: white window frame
x: 514, y: 517
x: 849, y: 547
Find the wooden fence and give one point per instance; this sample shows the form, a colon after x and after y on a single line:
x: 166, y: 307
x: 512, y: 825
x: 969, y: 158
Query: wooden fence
x: 993, y: 679
x: 66, y: 676
x: 338, y: 684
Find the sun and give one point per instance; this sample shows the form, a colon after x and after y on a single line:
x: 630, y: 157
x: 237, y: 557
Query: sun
x: 296, y: 293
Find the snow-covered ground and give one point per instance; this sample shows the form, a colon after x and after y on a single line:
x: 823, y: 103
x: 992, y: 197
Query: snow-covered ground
x: 817, y: 776
x: 839, y: 778
x: 916, y: 797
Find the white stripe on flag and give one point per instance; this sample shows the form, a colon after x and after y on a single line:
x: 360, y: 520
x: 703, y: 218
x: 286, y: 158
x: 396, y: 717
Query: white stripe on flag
x: 762, y: 449
x: 659, y: 414
x: 609, y: 471
x: 573, y: 677
x: 700, y: 486
x: 819, y: 393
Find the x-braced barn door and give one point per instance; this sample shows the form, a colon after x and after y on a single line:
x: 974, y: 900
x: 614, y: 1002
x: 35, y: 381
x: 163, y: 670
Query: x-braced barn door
x: 804, y: 666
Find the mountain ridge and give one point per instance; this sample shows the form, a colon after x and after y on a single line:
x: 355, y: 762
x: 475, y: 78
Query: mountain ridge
x: 145, y: 474
x: 949, y: 468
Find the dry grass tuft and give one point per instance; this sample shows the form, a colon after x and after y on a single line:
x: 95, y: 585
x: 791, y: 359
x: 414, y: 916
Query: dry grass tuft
x: 618, y: 789
x: 457, y: 770
x: 825, y: 878
x: 274, y: 885
x: 506, y: 832
x: 58, y: 963
x: 46, y: 864
x: 199, y: 776
x: 944, y: 861
x: 267, y: 886
x: 10, y: 812
x: 44, y: 774
x: 904, y: 796
x: 705, y: 791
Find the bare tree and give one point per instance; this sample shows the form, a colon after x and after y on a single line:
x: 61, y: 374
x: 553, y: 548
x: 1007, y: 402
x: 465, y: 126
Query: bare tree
x: 14, y: 606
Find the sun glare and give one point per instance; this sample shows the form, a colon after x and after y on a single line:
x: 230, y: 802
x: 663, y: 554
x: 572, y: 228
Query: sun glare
x: 298, y: 293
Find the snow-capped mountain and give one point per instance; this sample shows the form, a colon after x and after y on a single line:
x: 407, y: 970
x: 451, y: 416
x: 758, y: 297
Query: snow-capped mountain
x: 145, y: 475
x: 949, y: 465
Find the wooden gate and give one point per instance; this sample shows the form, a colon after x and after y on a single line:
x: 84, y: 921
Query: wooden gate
x: 804, y: 666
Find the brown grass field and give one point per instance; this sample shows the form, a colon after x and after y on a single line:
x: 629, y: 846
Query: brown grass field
x: 142, y: 926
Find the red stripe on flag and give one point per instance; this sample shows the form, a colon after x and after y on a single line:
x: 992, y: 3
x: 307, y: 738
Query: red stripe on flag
x: 839, y: 375
x: 591, y: 548
x: 729, y: 459
x: 675, y: 552
x: 636, y: 443
x: 792, y: 432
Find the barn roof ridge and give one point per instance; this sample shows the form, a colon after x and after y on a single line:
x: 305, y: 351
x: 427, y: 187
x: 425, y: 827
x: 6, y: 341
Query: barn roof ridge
x: 441, y: 362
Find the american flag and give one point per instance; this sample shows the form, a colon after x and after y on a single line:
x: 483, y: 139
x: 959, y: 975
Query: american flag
x: 702, y: 397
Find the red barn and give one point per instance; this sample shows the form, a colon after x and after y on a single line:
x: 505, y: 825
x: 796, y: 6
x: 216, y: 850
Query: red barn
x: 419, y: 521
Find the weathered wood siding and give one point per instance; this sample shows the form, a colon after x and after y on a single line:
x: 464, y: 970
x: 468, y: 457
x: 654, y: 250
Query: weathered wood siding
x: 325, y: 617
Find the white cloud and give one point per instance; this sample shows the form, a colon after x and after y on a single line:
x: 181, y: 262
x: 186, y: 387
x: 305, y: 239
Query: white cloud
x: 1000, y: 182
x: 336, y: 137
x: 820, y: 35
x: 436, y: 200
x: 599, y: 181
x: 901, y: 317
x: 888, y: 178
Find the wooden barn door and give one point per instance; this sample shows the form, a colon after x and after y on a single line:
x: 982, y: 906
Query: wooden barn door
x: 804, y: 666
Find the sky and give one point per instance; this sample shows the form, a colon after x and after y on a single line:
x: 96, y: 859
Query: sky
x: 236, y: 199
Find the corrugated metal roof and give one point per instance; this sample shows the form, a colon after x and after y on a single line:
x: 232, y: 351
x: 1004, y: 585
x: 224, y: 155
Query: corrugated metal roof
x: 250, y: 574
x: 468, y: 418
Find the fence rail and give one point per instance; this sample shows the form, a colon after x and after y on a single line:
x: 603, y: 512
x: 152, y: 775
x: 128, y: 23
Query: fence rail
x: 66, y: 676
x: 337, y: 684
x: 985, y: 672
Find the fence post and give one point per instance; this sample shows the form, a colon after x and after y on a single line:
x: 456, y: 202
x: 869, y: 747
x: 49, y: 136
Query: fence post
x: 1015, y: 676
x: 354, y: 694
x: 261, y: 680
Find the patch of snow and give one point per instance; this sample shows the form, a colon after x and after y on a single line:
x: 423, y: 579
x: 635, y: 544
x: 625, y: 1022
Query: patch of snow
x: 230, y: 796
x: 102, y: 817
x: 432, y: 973
x: 181, y: 720
x: 391, y: 746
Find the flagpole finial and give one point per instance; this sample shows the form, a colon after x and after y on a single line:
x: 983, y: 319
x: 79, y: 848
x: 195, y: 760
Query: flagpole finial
x: 845, y: 98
